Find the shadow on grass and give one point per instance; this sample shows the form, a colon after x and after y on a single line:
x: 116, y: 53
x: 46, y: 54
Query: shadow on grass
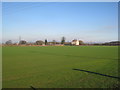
x: 33, y: 88
x: 97, y: 73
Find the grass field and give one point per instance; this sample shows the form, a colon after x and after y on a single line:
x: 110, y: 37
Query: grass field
x: 52, y: 66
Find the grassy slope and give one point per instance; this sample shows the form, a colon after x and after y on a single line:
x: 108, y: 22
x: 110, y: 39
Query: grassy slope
x: 43, y: 67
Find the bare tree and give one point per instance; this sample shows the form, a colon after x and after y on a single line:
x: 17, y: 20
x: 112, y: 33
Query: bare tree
x: 53, y: 42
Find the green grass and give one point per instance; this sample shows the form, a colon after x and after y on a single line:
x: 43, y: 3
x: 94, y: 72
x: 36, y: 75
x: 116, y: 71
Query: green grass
x: 51, y: 66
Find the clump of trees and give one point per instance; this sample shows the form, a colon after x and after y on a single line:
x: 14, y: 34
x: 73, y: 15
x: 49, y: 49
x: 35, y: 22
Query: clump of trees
x: 9, y: 42
x: 63, y: 40
x: 22, y: 42
x: 39, y: 42
x: 46, y: 42
x: 81, y: 42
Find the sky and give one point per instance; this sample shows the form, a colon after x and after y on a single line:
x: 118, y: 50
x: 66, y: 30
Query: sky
x: 86, y: 21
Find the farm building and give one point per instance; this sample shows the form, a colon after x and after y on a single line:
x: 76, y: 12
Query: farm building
x: 75, y: 42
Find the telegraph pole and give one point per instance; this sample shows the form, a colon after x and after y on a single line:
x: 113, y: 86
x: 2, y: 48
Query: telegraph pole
x: 19, y: 39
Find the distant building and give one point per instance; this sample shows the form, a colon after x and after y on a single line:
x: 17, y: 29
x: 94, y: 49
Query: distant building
x: 67, y: 43
x: 75, y: 42
x: 113, y: 43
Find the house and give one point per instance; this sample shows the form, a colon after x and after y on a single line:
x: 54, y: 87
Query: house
x: 75, y: 42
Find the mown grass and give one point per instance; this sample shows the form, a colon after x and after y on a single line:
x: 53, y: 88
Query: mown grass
x: 51, y: 66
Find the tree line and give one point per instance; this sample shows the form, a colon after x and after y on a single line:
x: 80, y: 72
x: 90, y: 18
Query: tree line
x: 63, y: 42
x: 38, y: 42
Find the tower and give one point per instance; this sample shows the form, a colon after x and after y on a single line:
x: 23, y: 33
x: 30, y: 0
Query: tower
x: 19, y: 39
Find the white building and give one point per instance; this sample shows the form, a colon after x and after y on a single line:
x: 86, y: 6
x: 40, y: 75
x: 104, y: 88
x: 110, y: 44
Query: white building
x: 75, y: 42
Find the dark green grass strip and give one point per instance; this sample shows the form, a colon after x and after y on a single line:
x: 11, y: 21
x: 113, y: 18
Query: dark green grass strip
x: 67, y: 55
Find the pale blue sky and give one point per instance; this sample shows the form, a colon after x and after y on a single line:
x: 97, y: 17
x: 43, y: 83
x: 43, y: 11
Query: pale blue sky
x: 87, y: 21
